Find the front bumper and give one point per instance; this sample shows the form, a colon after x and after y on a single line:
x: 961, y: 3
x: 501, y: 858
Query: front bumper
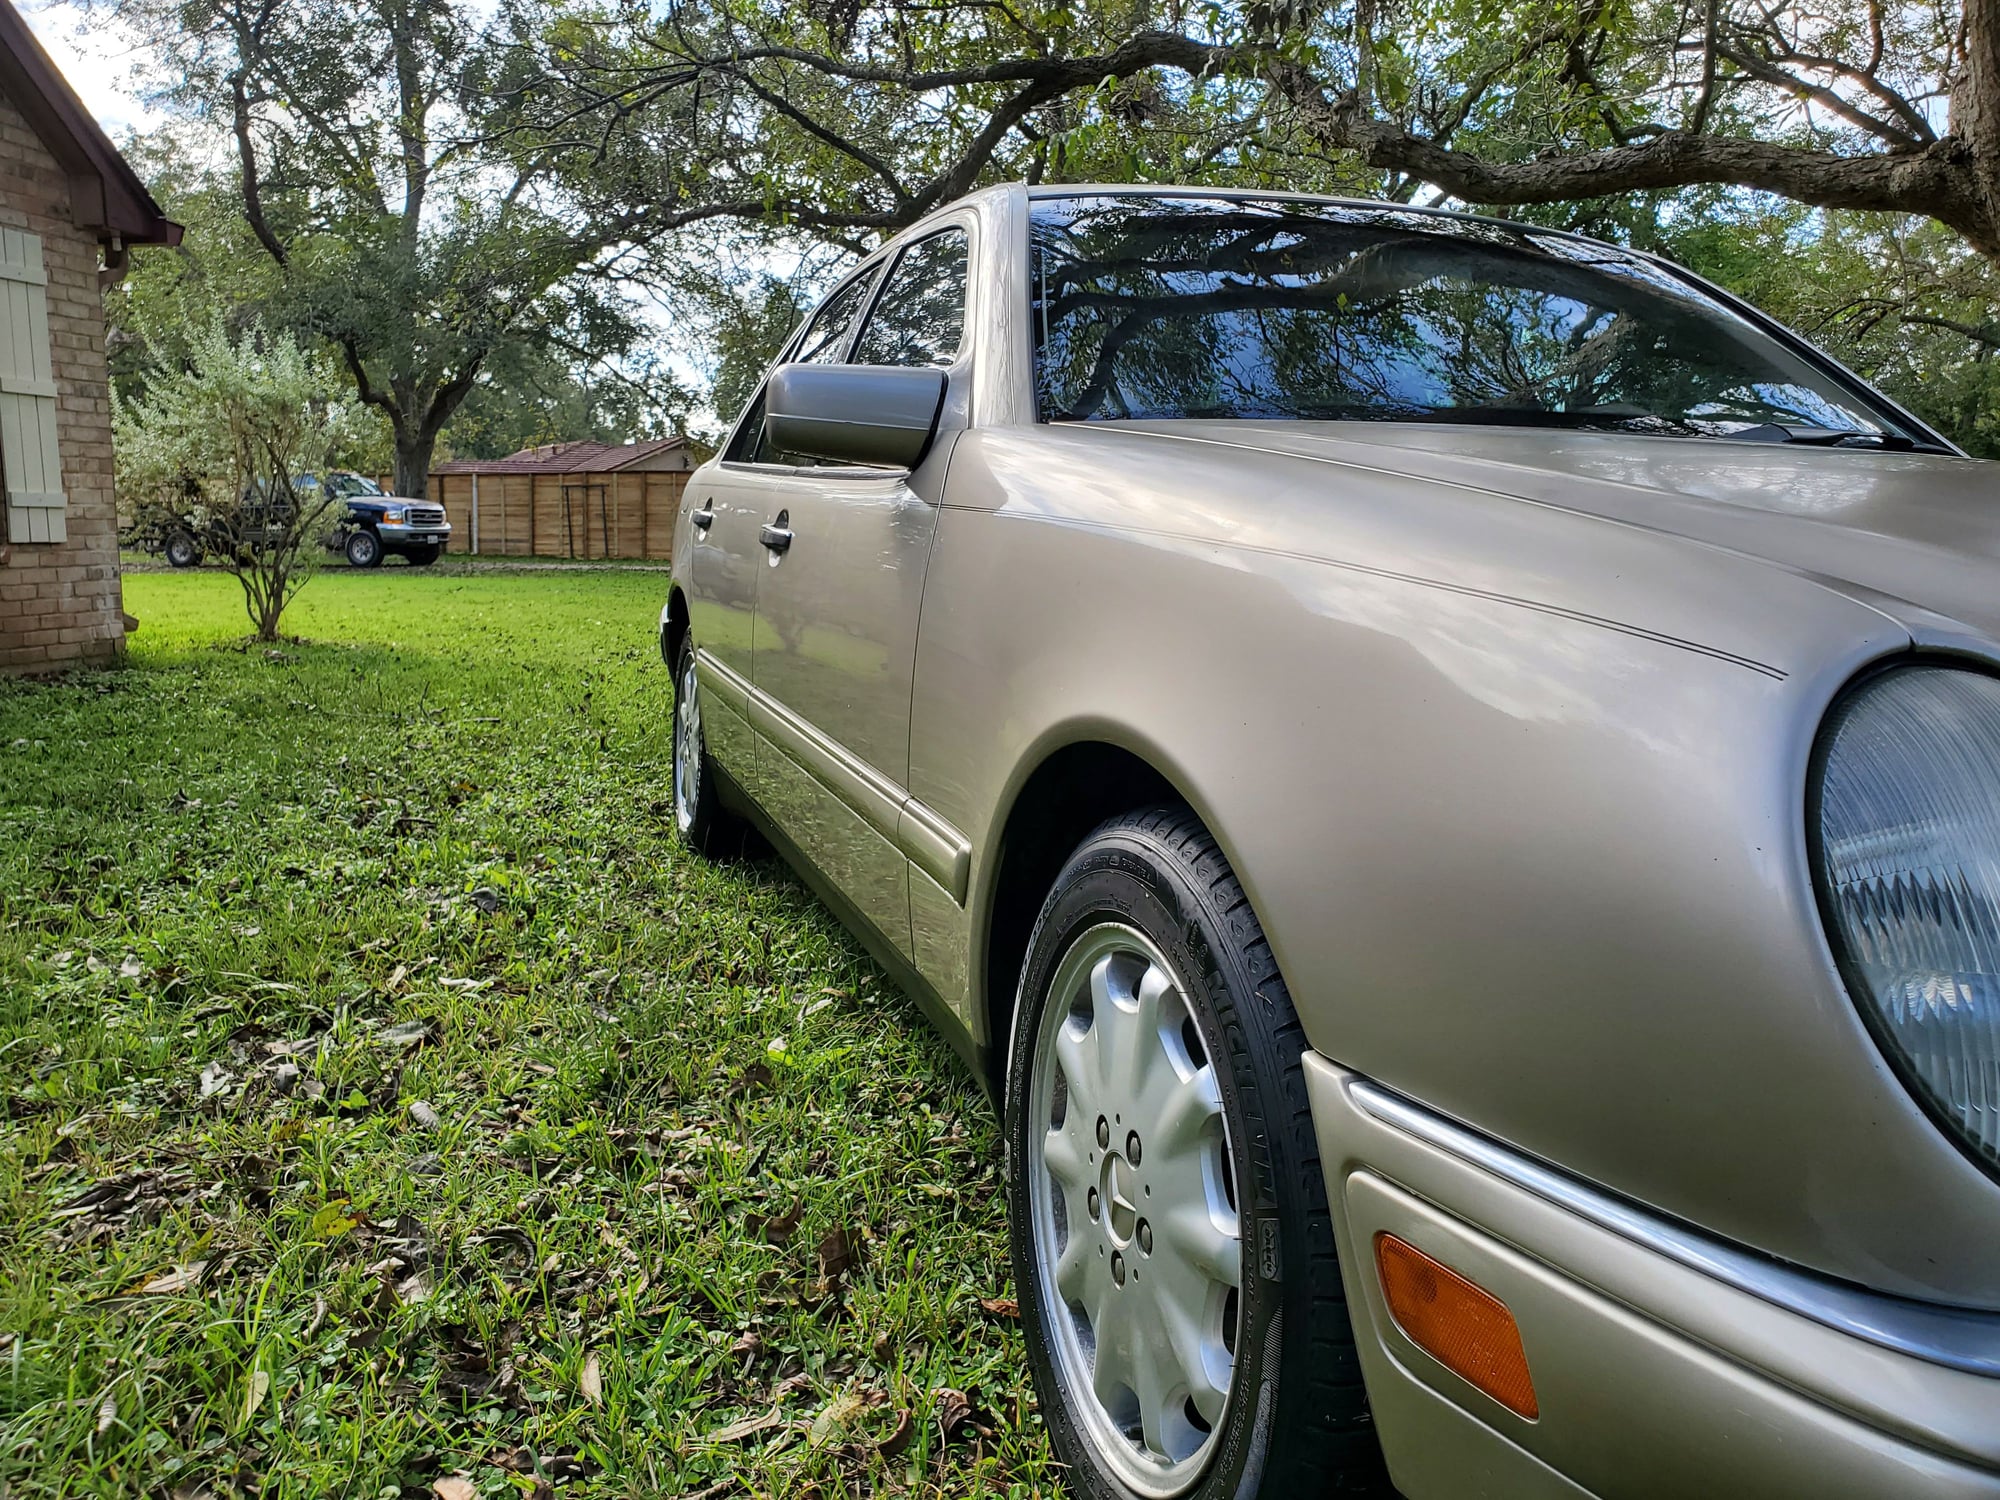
x: 1665, y: 1363
x: 403, y: 534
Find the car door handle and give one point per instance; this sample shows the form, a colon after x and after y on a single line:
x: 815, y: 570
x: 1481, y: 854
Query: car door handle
x: 776, y: 537
x: 703, y: 518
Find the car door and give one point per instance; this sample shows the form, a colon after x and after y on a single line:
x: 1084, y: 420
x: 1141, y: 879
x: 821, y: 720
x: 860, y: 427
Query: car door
x: 727, y: 509
x: 837, y: 610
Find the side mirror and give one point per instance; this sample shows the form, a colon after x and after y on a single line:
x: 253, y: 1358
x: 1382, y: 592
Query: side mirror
x: 854, y: 414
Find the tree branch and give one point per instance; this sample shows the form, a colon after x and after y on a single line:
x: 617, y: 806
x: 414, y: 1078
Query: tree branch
x: 246, y: 155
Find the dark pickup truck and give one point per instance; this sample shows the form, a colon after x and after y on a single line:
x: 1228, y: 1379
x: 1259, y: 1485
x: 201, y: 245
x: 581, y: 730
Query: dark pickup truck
x: 371, y: 526
x: 376, y: 524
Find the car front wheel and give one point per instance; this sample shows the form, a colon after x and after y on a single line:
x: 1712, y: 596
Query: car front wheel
x: 423, y: 557
x: 1172, y: 1246
x: 364, y: 549
x: 182, y: 552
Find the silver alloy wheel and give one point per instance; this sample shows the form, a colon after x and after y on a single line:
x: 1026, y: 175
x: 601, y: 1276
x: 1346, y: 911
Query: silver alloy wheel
x: 687, y: 750
x: 1137, y: 1239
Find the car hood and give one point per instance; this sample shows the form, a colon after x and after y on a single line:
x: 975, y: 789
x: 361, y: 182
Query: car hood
x: 1920, y: 531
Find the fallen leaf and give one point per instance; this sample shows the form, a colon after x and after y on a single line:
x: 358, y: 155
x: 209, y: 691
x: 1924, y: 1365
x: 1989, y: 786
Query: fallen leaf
x: 404, y: 1034
x: 835, y: 1417
x: 836, y: 1255
x: 285, y: 1077
x: 1000, y: 1307
x: 953, y: 1408
x: 107, y: 1414
x: 260, y: 1387
x: 779, y: 1228
x: 898, y: 1440
x: 214, y: 1079
x: 591, y: 1381
x: 400, y: 973
x: 180, y: 1279
x: 486, y: 899
x: 735, y: 1432
x: 424, y: 1116
x: 415, y: 1287
x: 454, y: 1487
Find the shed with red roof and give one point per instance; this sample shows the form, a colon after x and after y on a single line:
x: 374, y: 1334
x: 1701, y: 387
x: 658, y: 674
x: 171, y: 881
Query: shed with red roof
x: 577, y: 499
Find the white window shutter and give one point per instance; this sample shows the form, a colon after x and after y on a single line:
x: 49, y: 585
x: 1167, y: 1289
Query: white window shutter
x: 30, y: 467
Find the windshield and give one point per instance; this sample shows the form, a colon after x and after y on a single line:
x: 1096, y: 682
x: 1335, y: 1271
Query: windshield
x: 1153, y: 307
x: 345, y: 485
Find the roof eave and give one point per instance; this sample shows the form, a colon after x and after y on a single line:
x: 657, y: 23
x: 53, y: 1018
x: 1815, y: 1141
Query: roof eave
x: 106, y: 195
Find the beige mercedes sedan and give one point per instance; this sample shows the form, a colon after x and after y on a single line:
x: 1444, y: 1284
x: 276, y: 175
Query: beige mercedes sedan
x: 1448, y: 776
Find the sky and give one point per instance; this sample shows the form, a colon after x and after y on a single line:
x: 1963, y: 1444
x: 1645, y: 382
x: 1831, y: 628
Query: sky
x: 95, y: 57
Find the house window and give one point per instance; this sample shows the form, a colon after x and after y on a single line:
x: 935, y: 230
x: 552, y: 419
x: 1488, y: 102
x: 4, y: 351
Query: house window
x: 30, y: 467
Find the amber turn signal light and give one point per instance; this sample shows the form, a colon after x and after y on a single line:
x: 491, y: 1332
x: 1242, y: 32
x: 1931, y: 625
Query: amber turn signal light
x: 1461, y: 1325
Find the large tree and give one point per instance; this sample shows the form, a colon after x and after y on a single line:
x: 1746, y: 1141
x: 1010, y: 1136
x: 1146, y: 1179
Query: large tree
x: 864, y: 114
x: 370, y: 165
x: 1839, y: 161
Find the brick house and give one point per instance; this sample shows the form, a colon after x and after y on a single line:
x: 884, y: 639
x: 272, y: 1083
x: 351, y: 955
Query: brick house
x: 70, y: 209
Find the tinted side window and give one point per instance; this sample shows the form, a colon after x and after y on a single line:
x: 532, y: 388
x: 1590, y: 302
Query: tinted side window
x: 753, y: 444
x: 826, y: 335
x: 821, y: 344
x: 920, y: 318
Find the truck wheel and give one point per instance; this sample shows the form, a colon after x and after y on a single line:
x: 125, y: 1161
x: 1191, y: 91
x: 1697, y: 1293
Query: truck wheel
x: 1178, y: 1286
x: 182, y: 551
x: 364, y: 550
x: 705, y: 825
x: 423, y: 557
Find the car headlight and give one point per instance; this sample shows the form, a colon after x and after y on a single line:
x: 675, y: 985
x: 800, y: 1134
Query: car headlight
x: 1907, y: 808
x: 393, y: 517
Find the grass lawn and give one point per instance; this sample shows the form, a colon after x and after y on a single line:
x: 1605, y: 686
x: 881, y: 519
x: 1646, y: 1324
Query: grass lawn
x: 392, y: 1107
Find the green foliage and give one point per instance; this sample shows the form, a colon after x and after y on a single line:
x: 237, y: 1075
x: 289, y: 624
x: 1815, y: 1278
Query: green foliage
x: 1902, y: 302
x: 748, y: 331
x: 527, y: 396
x: 463, y: 196
x: 219, y: 448
x: 257, y: 907
x: 347, y: 170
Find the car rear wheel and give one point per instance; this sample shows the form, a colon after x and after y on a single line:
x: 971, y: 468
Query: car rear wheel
x: 1172, y: 1246
x: 704, y: 824
x: 182, y: 551
x: 364, y: 549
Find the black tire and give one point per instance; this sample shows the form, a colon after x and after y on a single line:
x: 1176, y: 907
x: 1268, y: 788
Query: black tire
x: 703, y: 823
x: 423, y: 557
x: 364, y: 550
x: 1296, y: 1419
x: 182, y: 551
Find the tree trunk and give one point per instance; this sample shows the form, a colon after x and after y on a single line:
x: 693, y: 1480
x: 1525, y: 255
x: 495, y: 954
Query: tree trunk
x: 413, y: 463
x: 1975, y: 113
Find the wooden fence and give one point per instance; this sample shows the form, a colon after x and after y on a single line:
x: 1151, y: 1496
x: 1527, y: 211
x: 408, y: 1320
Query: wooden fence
x: 561, y: 515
